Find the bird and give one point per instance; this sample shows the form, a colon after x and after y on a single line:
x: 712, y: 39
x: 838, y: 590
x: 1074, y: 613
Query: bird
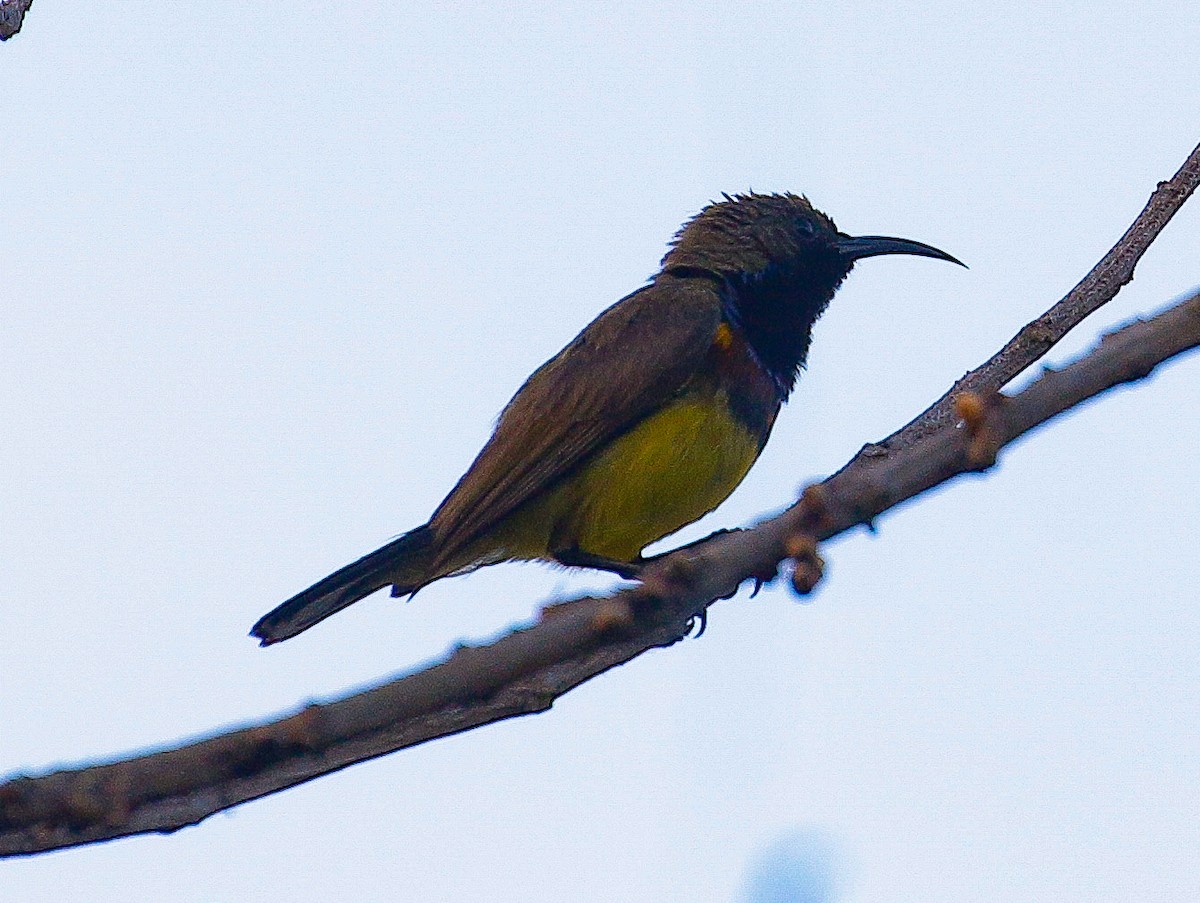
x: 645, y: 422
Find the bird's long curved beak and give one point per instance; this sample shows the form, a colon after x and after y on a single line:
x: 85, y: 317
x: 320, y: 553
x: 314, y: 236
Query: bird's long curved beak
x: 857, y: 247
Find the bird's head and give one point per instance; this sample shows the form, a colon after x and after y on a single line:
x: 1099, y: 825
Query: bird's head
x: 751, y: 234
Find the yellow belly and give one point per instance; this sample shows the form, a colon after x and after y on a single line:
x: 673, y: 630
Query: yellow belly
x: 671, y: 469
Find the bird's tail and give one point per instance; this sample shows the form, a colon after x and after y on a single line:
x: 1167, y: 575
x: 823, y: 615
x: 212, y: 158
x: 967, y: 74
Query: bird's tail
x: 402, y: 563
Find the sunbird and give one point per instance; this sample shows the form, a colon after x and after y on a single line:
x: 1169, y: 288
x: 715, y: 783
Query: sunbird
x: 645, y: 422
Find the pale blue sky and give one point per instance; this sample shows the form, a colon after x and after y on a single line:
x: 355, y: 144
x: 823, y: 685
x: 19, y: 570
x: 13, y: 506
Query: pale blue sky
x: 269, y: 273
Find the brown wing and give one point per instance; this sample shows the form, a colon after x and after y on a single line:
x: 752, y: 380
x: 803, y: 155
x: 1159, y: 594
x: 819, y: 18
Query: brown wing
x: 624, y: 364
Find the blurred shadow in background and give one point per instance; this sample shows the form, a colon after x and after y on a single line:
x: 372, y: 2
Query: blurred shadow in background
x: 803, y: 865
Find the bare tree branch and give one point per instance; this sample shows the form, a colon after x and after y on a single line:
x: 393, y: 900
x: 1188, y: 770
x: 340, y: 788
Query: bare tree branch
x: 524, y: 672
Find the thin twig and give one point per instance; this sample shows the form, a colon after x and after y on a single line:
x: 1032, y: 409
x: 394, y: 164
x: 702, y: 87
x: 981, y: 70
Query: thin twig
x: 1036, y: 338
x: 12, y: 15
